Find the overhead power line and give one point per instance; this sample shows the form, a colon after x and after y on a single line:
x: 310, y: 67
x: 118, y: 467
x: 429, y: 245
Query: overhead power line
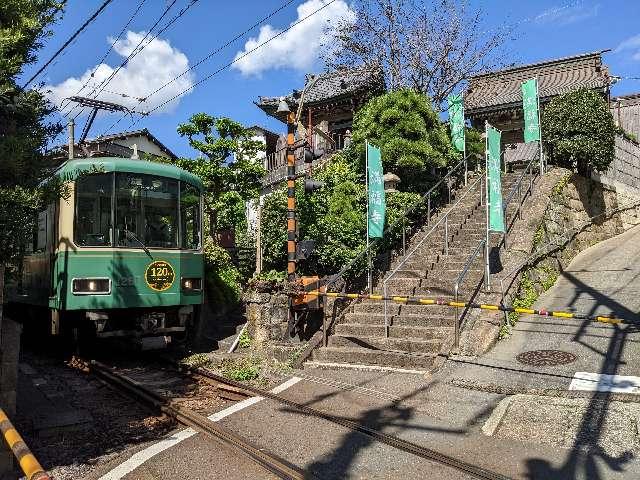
x: 66, y: 44
x: 208, y: 77
x: 106, y: 54
x: 133, y: 53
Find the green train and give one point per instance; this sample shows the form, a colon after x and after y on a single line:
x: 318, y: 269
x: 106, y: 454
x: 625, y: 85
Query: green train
x: 121, y: 255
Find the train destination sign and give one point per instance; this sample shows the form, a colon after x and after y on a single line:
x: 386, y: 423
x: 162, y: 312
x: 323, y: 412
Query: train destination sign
x: 160, y: 276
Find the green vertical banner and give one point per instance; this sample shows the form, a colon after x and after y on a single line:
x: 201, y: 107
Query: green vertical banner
x: 496, y: 214
x: 377, y: 203
x: 456, y: 120
x: 530, y: 107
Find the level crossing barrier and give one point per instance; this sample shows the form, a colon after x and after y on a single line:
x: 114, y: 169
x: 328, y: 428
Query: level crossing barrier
x: 27, y: 461
x: 413, y: 300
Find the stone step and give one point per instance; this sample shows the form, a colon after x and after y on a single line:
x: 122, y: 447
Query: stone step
x: 409, y: 345
x: 376, y: 307
x: 395, y: 331
x: 440, y: 278
x: 364, y: 356
x: 402, y: 320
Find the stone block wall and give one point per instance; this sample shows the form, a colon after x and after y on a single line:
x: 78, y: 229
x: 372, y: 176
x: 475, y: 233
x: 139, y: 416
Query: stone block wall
x: 625, y: 168
x: 267, y: 318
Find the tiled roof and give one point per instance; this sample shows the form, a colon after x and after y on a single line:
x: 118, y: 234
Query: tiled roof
x: 555, y: 77
x: 332, y: 85
x: 626, y: 112
x: 135, y: 133
x: 521, y: 152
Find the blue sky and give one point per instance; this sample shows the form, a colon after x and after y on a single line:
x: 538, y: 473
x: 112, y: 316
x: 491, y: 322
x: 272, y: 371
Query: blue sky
x: 545, y: 29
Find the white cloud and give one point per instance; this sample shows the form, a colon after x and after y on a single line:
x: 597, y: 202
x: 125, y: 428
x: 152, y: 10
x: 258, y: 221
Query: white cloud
x: 297, y: 48
x: 632, y: 45
x: 154, y: 66
x: 567, y: 14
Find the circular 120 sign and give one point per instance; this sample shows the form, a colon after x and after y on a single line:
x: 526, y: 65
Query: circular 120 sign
x: 159, y: 276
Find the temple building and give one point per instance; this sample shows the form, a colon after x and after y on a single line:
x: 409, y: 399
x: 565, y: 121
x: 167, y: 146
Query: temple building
x: 496, y: 97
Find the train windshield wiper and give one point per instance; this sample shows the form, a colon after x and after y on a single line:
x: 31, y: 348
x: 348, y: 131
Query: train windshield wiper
x: 132, y: 235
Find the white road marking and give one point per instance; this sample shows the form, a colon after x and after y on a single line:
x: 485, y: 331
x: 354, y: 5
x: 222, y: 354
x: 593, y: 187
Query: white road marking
x: 602, y: 382
x: 144, y: 455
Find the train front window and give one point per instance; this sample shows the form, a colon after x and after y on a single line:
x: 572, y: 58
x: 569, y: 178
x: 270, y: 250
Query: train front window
x: 146, y: 211
x: 93, y: 210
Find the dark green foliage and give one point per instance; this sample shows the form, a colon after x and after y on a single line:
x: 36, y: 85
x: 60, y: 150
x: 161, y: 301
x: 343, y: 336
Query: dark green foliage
x: 222, y: 278
x: 334, y: 216
x: 24, y: 131
x: 408, y: 131
x: 229, y: 171
x: 578, y: 131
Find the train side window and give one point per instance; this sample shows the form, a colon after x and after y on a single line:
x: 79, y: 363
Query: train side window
x: 190, y: 216
x: 41, y: 232
x: 93, y: 210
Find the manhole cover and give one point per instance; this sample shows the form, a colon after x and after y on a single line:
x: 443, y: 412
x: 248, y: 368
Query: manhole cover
x: 546, y: 358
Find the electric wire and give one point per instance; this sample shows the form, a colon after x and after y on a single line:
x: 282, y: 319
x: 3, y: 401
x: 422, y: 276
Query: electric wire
x: 63, y: 106
x: 133, y: 53
x: 224, y: 67
x: 68, y: 42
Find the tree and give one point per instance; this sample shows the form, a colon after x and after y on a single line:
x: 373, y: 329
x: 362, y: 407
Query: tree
x: 230, y: 172
x: 411, y: 136
x: 578, y: 131
x: 24, y: 130
x: 428, y: 46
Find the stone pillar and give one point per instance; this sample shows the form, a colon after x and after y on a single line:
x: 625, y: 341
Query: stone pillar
x: 267, y: 318
x: 9, y: 352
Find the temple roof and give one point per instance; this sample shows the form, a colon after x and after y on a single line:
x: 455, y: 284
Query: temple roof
x: 497, y: 90
x: 329, y: 87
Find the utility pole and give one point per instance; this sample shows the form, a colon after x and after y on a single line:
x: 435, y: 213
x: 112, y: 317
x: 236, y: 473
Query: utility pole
x: 71, y: 138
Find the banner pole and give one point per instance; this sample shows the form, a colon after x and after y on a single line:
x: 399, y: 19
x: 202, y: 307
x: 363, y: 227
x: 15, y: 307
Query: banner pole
x: 539, y: 127
x: 366, y: 188
x: 486, y: 192
x: 464, y: 139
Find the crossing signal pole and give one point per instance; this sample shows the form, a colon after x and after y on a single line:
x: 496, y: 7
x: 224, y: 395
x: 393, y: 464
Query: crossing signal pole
x: 283, y: 107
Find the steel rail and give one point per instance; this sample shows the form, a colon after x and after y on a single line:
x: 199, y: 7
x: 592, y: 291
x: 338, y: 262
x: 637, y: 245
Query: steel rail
x: 445, y: 219
x: 456, y: 288
x: 269, y: 461
x: 390, y: 440
x: 27, y: 461
x: 517, y: 188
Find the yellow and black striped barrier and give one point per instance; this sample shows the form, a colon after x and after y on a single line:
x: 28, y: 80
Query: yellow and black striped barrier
x: 28, y: 463
x: 482, y: 306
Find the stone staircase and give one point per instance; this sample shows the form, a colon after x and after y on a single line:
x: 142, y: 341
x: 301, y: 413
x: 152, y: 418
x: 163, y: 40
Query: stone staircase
x: 417, y: 333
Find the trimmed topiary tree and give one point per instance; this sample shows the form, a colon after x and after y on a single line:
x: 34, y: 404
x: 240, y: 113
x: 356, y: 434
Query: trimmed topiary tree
x: 411, y: 136
x: 578, y: 131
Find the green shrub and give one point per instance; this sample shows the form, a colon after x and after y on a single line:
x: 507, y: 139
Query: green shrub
x: 221, y: 276
x: 578, y: 131
x: 409, y: 133
x: 242, y: 370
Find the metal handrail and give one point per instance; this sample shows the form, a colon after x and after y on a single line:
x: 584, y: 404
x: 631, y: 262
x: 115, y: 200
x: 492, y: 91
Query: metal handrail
x: 456, y: 288
x: 365, y: 253
x: 445, y: 219
x: 517, y: 188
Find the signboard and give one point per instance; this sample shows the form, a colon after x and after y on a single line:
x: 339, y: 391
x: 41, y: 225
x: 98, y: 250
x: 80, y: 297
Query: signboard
x: 530, y: 107
x: 496, y: 217
x: 159, y: 276
x: 456, y: 120
x: 377, y: 204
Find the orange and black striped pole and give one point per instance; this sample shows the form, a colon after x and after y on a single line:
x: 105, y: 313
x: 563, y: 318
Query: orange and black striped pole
x: 291, y: 198
x: 28, y: 463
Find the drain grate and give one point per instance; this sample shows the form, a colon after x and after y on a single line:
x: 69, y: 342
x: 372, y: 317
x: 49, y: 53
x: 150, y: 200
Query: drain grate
x: 546, y: 358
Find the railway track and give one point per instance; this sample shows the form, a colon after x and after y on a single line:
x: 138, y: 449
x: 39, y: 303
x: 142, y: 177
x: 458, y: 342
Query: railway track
x: 188, y: 417
x: 265, y: 459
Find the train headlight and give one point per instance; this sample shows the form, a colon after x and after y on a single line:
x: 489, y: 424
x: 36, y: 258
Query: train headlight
x: 91, y: 286
x: 192, y: 284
